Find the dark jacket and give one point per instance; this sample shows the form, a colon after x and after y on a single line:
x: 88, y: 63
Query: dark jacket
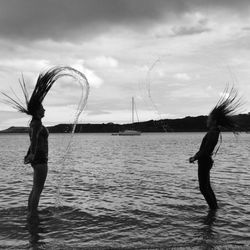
x: 208, y: 144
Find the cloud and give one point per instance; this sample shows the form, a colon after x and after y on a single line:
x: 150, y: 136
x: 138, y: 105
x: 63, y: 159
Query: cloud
x: 103, y: 62
x: 194, y: 23
x: 114, y: 43
x: 182, y: 76
x: 77, y: 19
x: 185, y: 30
x: 29, y: 69
x: 94, y: 80
x: 60, y: 19
x: 23, y: 64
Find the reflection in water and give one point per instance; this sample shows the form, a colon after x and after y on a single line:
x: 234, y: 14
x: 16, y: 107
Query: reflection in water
x: 208, y: 233
x: 210, y: 218
x: 35, y: 229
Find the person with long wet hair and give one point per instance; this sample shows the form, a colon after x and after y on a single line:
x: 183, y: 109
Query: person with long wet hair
x: 220, y: 116
x: 37, y: 154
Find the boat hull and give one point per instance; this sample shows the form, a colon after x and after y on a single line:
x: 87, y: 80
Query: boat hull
x: 129, y: 133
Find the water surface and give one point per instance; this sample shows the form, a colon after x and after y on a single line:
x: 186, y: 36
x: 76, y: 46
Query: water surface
x: 113, y: 191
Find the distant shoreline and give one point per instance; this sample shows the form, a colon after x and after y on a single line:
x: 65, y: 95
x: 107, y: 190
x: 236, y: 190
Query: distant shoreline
x: 187, y: 124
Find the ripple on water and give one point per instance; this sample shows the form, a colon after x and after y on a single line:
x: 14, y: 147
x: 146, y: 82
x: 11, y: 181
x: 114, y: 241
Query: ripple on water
x: 126, y: 192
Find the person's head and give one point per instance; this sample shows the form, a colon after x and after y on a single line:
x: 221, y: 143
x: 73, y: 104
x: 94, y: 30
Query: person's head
x: 32, y: 104
x: 222, y: 114
x: 39, y: 112
x: 35, y: 108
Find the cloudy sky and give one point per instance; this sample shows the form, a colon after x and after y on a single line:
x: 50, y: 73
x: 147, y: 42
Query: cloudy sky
x: 174, y: 56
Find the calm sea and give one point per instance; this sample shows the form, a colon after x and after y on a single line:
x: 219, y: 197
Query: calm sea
x: 126, y: 192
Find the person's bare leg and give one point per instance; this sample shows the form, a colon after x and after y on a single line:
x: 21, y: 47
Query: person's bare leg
x: 39, y: 178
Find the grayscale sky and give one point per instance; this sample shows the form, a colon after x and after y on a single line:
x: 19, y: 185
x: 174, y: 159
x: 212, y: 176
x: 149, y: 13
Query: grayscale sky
x: 174, y: 56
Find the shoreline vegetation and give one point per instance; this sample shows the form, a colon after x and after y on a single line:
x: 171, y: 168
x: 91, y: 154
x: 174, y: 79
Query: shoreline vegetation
x: 187, y: 124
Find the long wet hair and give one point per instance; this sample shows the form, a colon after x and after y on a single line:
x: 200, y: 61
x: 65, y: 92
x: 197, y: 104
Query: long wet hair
x: 226, y: 109
x: 44, y: 82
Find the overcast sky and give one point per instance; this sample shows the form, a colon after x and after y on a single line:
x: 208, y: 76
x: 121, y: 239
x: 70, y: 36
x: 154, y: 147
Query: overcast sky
x: 174, y: 56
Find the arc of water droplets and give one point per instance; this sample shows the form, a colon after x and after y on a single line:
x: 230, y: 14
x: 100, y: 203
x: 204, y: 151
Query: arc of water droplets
x: 84, y: 84
x: 148, y: 83
x: 81, y: 79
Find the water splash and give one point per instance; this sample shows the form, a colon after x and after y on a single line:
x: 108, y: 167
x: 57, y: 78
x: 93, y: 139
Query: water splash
x: 82, y: 80
x: 148, y: 86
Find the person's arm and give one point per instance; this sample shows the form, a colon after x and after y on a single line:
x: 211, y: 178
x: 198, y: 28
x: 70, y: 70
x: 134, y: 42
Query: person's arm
x: 207, y: 147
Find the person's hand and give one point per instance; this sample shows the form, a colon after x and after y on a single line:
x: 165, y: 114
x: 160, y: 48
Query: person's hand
x: 28, y: 158
x: 191, y: 159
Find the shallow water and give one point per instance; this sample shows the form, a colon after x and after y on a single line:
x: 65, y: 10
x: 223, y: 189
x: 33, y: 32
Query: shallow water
x: 112, y: 191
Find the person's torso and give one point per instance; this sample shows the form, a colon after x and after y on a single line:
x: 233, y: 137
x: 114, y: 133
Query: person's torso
x: 209, y: 142
x: 41, y: 154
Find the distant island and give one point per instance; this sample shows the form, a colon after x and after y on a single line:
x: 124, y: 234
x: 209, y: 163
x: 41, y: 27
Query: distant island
x: 187, y: 124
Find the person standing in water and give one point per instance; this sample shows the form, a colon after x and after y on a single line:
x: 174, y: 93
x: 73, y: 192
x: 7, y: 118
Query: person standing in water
x: 220, y: 116
x: 37, y: 154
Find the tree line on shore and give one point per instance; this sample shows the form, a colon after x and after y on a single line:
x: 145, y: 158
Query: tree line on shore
x: 187, y: 124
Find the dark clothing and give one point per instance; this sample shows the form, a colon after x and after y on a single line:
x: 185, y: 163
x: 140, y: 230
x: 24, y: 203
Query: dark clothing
x: 204, y: 182
x: 207, y: 145
x: 205, y: 163
x: 40, y: 149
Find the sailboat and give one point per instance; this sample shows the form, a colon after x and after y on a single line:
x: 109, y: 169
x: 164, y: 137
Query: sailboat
x: 131, y: 131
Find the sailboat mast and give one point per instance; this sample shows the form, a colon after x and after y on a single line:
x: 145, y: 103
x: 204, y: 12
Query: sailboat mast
x: 132, y: 110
